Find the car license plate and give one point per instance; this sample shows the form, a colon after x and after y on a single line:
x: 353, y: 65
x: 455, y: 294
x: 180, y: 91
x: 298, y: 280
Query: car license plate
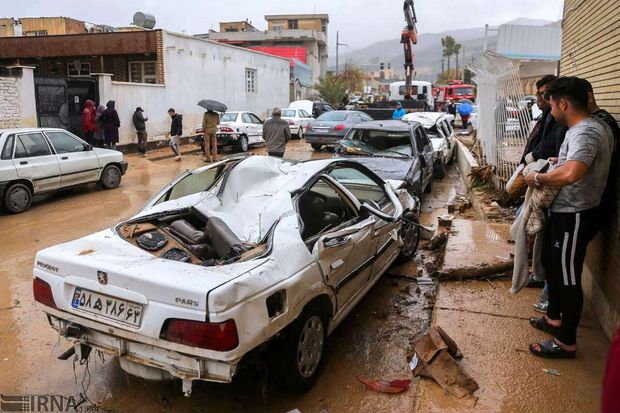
x: 106, y: 306
x: 321, y: 129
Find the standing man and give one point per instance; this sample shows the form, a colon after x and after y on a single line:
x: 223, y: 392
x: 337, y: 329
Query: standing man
x: 583, y: 167
x: 210, y: 120
x: 139, y: 121
x: 111, y: 124
x: 399, y: 112
x: 89, y: 124
x: 276, y: 133
x: 176, y: 130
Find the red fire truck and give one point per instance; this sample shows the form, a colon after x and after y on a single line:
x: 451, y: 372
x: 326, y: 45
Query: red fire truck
x: 454, y: 90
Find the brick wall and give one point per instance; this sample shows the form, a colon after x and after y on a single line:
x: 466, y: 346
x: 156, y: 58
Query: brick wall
x: 9, y: 102
x: 591, y: 49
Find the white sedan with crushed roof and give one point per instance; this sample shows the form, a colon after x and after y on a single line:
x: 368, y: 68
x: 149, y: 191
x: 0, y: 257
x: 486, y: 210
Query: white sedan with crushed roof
x: 245, y: 257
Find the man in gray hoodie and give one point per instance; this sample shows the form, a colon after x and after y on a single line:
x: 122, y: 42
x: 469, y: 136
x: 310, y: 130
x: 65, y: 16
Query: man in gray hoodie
x: 276, y: 133
x: 139, y: 122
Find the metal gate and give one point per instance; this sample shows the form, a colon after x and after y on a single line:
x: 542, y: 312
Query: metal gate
x: 60, y: 101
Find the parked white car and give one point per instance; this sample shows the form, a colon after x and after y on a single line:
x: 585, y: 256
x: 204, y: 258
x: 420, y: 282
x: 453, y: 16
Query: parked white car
x: 439, y: 129
x: 298, y: 120
x: 249, y: 253
x: 39, y: 160
x: 240, y: 129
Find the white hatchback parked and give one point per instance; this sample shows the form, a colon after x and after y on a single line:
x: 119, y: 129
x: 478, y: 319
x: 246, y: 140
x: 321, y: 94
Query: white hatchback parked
x: 298, y: 120
x: 40, y: 160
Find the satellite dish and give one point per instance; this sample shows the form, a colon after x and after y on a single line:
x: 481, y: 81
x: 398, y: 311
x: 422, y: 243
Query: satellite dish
x: 144, y: 20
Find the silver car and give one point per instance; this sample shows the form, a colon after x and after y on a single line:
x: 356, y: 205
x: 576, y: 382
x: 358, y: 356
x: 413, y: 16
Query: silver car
x: 329, y: 128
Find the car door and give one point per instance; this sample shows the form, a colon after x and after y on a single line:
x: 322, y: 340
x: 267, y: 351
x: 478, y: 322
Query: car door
x: 340, y: 240
x: 249, y: 127
x: 384, y: 235
x: 258, y: 125
x: 78, y: 162
x: 425, y: 149
x: 33, y: 160
x: 305, y: 118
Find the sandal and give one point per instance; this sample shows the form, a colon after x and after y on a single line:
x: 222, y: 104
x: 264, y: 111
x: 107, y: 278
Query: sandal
x: 542, y: 325
x: 548, y: 349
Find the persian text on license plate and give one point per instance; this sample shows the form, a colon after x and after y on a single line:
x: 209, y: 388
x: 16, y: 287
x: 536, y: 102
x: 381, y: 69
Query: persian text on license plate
x: 106, y: 306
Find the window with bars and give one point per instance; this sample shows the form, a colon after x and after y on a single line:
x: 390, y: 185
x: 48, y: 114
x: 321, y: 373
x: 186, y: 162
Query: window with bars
x: 78, y: 69
x: 293, y: 24
x: 250, y: 80
x: 143, y: 72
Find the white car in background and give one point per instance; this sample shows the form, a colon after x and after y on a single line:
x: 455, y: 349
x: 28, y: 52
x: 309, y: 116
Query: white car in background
x: 298, y: 120
x: 439, y: 129
x: 40, y: 160
x: 240, y: 129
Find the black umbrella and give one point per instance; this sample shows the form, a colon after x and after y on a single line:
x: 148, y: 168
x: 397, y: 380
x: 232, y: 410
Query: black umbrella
x: 213, y: 105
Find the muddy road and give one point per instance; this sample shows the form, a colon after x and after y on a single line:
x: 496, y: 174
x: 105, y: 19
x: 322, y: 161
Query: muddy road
x: 372, y: 341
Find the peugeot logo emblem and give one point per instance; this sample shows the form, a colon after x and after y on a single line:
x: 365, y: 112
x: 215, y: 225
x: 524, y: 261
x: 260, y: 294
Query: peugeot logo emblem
x: 102, y: 277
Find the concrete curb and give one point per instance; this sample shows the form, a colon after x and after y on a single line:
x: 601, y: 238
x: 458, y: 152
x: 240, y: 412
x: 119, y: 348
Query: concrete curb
x: 465, y: 162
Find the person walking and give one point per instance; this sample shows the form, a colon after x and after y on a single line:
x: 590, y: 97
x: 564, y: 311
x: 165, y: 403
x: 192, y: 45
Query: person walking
x: 139, y: 122
x: 399, y: 112
x: 89, y: 124
x: 465, y: 109
x: 276, y: 133
x: 583, y: 167
x: 111, y: 123
x: 176, y: 130
x: 210, y: 120
x: 99, y: 140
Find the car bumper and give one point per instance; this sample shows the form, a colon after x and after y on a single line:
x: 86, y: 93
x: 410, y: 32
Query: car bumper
x: 124, y: 165
x: 224, y: 139
x: 141, y: 358
x: 323, y: 139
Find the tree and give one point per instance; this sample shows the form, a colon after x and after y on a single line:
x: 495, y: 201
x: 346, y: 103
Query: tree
x: 354, y: 78
x: 445, y: 77
x: 457, y: 50
x: 331, y: 88
x: 450, y: 48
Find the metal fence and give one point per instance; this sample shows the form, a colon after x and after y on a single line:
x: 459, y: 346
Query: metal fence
x: 503, y: 114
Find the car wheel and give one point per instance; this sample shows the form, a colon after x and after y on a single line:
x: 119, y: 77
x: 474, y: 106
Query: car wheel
x: 17, y: 198
x: 410, y: 234
x: 243, y: 143
x: 439, y: 170
x: 316, y: 146
x: 110, y: 177
x: 298, y: 360
x: 300, y: 132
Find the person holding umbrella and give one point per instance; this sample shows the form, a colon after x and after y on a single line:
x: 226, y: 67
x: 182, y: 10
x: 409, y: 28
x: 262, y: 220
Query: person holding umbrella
x: 465, y: 109
x: 210, y: 120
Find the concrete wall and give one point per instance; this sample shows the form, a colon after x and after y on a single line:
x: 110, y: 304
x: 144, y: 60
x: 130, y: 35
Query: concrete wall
x: 196, y: 69
x: 17, y: 100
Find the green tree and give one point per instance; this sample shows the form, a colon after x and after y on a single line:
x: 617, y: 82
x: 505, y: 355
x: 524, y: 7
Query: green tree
x: 354, y: 78
x: 457, y: 50
x: 450, y: 48
x: 331, y: 88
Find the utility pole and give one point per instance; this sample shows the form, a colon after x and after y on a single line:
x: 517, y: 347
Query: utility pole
x: 338, y: 44
x: 486, y: 38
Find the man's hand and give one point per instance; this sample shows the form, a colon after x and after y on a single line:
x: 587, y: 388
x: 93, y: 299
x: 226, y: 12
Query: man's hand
x: 530, y: 180
x: 553, y: 161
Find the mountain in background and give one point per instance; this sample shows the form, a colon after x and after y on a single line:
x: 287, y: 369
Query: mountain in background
x: 428, y: 51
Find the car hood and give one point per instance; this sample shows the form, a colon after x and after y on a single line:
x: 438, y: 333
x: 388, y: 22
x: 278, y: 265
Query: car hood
x: 387, y: 168
x: 107, y: 152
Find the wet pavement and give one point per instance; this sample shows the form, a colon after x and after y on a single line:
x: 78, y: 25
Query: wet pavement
x: 373, y: 340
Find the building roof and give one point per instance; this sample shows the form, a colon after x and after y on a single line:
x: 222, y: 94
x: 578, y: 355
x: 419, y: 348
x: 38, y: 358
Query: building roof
x: 297, y: 17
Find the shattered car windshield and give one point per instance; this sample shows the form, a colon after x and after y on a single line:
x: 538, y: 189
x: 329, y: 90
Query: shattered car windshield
x: 378, y: 143
x: 229, y: 117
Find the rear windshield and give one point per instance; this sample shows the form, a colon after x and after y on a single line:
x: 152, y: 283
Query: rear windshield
x: 333, y: 116
x: 378, y: 143
x: 463, y: 91
x: 288, y: 113
x: 229, y: 117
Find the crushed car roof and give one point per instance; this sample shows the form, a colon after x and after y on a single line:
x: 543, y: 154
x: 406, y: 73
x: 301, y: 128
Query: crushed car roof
x: 427, y: 119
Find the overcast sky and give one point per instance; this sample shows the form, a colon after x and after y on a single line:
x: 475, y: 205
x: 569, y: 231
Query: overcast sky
x: 360, y: 22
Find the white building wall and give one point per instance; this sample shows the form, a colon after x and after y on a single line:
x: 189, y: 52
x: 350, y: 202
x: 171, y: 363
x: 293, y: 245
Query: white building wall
x: 17, y: 100
x: 196, y: 69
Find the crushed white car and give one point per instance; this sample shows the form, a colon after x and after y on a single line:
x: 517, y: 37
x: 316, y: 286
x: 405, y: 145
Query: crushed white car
x: 248, y: 256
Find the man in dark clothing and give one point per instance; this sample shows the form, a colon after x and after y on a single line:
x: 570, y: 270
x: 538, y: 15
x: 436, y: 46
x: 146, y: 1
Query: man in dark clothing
x: 547, y: 136
x: 581, y: 175
x: 139, y: 122
x: 276, y: 133
x: 176, y: 130
x: 111, y: 123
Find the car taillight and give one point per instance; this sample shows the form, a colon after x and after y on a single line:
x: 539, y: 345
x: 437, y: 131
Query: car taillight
x: 212, y: 336
x: 339, y: 127
x: 43, y: 293
x: 291, y: 123
x: 225, y: 129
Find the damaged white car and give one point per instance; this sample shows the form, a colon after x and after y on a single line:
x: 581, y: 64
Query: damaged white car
x: 251, y: 255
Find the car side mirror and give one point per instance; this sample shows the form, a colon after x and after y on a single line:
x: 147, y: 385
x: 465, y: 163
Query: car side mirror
x: 88, y: 147
x: 368, y: 209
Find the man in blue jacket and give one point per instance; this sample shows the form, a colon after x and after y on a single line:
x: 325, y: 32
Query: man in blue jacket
x: 399, y: 112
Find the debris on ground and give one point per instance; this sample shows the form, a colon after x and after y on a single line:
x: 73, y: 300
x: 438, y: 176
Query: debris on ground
x: 394, y: 386
x: 438, y: 241
x: 553, y: 372
x: 459, y: 203
x: 435, y: 358
x: 445, y: 220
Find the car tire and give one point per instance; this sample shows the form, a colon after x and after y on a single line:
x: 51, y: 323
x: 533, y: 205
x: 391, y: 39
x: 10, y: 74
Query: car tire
x: 300, y: 133
x: 439, y: 170
x: 243, y: 144
x: 316, y: 146
x: 297, y: 358
x: 110, y: 177
x: 17, y: 198
x: 410, y: 234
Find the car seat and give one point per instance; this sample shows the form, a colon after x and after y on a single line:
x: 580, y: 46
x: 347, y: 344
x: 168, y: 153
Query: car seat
x: 314, y: 214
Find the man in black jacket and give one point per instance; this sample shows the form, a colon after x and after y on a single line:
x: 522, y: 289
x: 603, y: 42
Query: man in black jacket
x: 547, y: 136
x: 139, y: 122
x: 176, y: 130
